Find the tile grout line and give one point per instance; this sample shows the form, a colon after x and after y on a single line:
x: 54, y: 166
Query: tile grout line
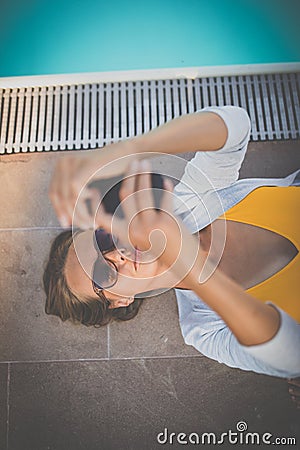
x: 7, y: 404
x: 33, y: 228
x: 126, y: 358
x: 108, y: 341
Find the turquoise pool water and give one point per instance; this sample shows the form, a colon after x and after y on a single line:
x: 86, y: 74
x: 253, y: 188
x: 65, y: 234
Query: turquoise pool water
x: 67, y: 36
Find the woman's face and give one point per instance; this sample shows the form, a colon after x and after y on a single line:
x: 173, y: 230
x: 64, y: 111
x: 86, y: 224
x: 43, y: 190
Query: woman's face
x: 134, y: 275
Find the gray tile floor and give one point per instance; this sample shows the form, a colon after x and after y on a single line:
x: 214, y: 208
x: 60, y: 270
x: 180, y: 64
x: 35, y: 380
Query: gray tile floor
x: 70, y: 387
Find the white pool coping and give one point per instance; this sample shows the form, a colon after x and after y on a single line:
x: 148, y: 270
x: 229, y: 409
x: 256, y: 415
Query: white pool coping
x: 149, y: 74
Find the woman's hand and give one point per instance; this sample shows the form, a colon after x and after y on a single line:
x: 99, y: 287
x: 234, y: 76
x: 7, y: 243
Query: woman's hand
x: 70, y: 175
x: 165, y: 237
x: 69, y: 191
x: 157, y: 233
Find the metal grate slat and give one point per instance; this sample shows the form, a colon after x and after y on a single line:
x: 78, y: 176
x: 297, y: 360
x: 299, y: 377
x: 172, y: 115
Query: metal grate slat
x: 124, y: 112
x: 100, y: 117
x: 42, y: 115
x: 33, y: 120
x: 93, y: 119
x: 296, y: 101
x: 4, y: 118
x: 198, y: 100
x: 168, y: 100
x: 12, y: 121
x: 27, y: 120
x: 78, y: 117
x: 115, y: 111
x: 267, y: 107
x: 282, y: 116
x: 244, y: 81
x: 275, y: 111
x: 251, y: 109
x: 289, y: 107
x: 146, y: 108
x: 182, y: 96
x: 56, y: 118
x: 228, y: 91
x: 221, y: 98
x: 64, y: 118
x: 259, y: 108
x: 175, y: 99
x: 1, y: 107
x: 153, y: 104
x: 139, y: 112
x: 69, y: 117
x: 190, y: 96
x: 161, y: 103
x: 205, y: 90
x: 131, y: 119
x: 233, y: 86
x: 19, y: 121
x: 85, y: 115
x: 48, y: 119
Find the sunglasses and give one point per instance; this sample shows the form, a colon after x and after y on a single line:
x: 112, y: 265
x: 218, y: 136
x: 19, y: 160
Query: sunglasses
x: 105, y: 272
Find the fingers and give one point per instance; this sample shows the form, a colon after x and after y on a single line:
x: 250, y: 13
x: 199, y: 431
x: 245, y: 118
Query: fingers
x: 144, y: 199
x: 55, y: 194
x: 63, y: 189
x: 69, y: 191
x: 135, y: 193
x: 128, y: 203
x: 142, y: 219
x: 102, y: 218
x: 85, y: 208
x: 166, y: 203
x: 111, y: 224
x: 70, y: 195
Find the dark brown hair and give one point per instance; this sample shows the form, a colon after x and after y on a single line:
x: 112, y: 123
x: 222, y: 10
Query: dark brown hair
x: 63, y: 303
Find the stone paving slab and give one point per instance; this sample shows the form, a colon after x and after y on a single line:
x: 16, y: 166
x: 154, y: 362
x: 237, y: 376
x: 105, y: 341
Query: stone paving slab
x: 24, y: 191
x: 25, y: 179
x: 126, y: 404
x: 3, y: 404
x: 271, y: 159
x: 154, y: 332
x: 123, y: 402
x: 25, y: 183
x: 26, y: 332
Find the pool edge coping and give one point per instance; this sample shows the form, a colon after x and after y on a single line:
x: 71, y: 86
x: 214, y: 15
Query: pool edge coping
x: 147, y: 74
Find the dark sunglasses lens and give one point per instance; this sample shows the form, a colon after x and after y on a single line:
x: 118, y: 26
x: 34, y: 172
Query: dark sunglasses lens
x: 104, y: 274
x: 104, y: 240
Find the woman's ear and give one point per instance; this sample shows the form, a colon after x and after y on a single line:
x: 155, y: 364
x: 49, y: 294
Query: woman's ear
x: 121, y: 302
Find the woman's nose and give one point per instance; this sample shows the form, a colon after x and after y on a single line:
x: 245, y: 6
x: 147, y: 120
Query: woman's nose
x: 120, y: 256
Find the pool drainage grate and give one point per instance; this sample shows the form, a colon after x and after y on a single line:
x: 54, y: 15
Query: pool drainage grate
x: 70, y: 117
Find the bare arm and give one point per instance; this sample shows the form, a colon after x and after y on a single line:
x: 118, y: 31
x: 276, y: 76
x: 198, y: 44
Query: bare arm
x: 197, y: 131
x: 251, y: 321
x: 201, y: 131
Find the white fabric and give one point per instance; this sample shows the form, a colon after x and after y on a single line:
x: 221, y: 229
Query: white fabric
x: 208, y: 187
